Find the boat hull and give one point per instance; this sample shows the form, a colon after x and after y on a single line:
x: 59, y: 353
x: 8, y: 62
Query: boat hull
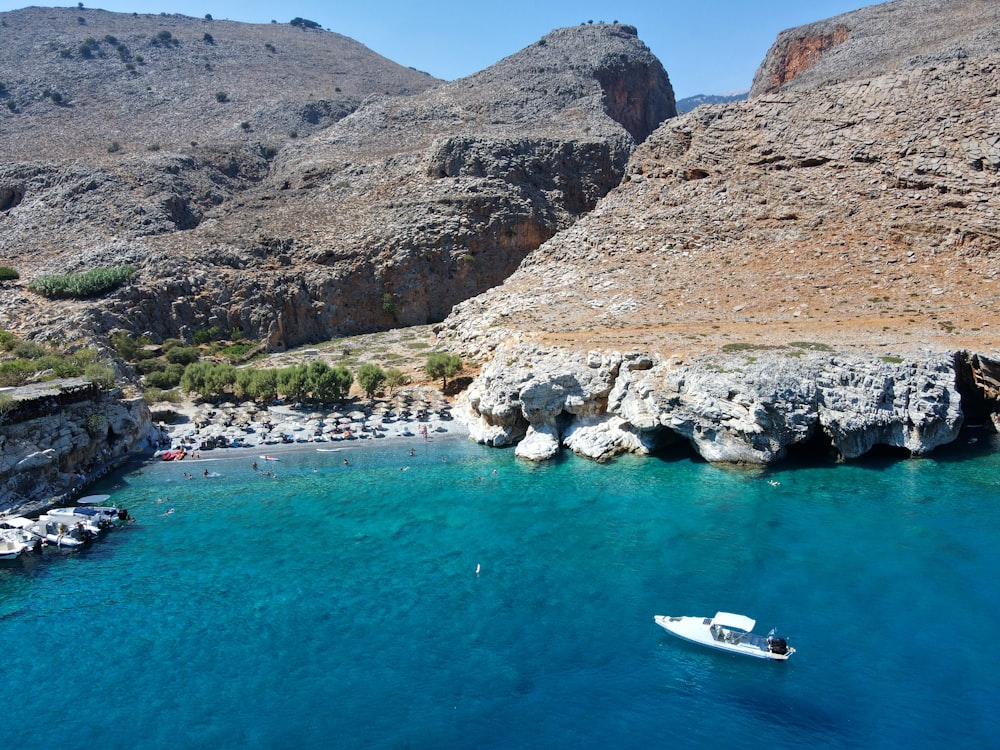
x: 699, y: 630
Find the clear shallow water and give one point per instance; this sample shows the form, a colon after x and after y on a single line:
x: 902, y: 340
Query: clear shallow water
x: 339, y: 606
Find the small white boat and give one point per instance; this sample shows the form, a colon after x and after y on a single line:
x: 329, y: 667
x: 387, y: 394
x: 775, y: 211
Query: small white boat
x: 15, y: 541
x: 728, y: 632
x: 99, y: 516
x: 56, y: 533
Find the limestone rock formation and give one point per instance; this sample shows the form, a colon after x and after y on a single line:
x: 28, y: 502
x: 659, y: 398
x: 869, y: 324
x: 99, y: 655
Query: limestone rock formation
x: 855, y: 212
x: 383, y: 218
x: 53, y: 454
x: 868, y: 42
x: 736, y: 408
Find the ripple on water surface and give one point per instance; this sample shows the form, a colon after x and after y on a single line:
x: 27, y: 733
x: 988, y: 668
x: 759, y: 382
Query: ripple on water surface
x: 341, y: 606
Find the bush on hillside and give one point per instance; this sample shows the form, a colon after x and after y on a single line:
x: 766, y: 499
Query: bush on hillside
x: 92, y: 283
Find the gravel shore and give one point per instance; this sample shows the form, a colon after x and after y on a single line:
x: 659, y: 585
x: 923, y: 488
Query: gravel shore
x: 413, y: 413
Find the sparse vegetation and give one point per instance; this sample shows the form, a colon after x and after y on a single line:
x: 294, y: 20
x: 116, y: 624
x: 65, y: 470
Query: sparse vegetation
x: 92, y: 283
x: 8, y: 274
x: 304, y: 23
x: 389, y: 305
x: 164, y: 39
x: 28, y: 362
x: 208, y: 38
x: 221, y: 96
x: 811, y: 346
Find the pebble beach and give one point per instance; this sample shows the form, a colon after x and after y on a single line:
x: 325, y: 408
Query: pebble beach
x: 416, y: 413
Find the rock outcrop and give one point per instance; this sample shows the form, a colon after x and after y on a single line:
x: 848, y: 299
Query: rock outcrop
x: 863, y: 213
x: 383, y: 218
x: 56, y: 452
x: 736, y: 409
x: 889, y: 36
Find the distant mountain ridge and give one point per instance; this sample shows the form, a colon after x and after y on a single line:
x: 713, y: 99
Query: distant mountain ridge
x: 88, y: 79
x: 690, y: 102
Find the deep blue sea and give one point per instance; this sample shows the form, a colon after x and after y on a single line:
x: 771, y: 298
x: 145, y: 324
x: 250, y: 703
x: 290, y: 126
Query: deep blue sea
x: 339, y: 605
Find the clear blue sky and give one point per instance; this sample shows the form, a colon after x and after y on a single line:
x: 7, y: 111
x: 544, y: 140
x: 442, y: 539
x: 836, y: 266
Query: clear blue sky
x: 707, y: 46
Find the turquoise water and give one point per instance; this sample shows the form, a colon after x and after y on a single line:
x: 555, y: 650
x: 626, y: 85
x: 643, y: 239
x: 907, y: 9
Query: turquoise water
x: 339, y: 606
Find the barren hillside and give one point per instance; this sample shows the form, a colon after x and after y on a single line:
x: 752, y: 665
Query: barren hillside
x: 860, y: 213
x: 386, y: 217
x: 86, y: 79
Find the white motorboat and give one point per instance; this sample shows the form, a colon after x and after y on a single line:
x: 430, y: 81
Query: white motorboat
x: 100, y: 517
x: 728, y: 632
x: 14, y: 541
x: 56, y: 533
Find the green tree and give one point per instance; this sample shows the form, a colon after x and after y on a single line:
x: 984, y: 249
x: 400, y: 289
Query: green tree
x: 328, y: 384
x: 389, y: 305
x: 394, y: 378
x: 370, y: 378
x: 195, y: 378
x: 221, y: 379
x: 260, y: 385
x: 443, y: 365
x: 293, y: 382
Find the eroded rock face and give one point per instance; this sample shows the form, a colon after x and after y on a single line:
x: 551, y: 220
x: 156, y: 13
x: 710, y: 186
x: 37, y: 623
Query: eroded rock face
x: 870, y: 41
x: 796, y: 54
x: 731, y: 408
x: 49, y: 456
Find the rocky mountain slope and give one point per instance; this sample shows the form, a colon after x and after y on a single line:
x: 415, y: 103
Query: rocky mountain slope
x: 77, y: 80
x: 858, y: 217
x: 385, y: 217
x: 898, y: 35
x: 859, y: 213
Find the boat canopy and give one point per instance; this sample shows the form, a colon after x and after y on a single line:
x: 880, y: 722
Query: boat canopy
x: 729, y: 620
x: 94, y: 499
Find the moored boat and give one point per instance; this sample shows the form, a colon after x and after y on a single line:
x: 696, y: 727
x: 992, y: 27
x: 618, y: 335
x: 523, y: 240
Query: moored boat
x: 14, y: 542
x: 56, y: 533
x: 99, y: 516
x: 727, y: 632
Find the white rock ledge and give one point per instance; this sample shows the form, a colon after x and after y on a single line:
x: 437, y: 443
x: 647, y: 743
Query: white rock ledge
x: 733, y: 408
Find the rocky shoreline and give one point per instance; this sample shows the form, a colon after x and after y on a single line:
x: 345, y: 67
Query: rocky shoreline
x: 749, y: 407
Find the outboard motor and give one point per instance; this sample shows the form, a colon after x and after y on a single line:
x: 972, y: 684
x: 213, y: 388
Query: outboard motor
x: 777, y: 646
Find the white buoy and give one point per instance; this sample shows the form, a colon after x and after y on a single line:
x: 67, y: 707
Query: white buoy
x: 477, y: 570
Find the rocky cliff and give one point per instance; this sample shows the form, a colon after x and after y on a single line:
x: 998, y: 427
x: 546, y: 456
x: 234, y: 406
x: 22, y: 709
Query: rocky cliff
x: 66, y: 440
x: 737, y: 408
x: 383, y: 218
x: 858, y: 217
x: 898, y: 35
